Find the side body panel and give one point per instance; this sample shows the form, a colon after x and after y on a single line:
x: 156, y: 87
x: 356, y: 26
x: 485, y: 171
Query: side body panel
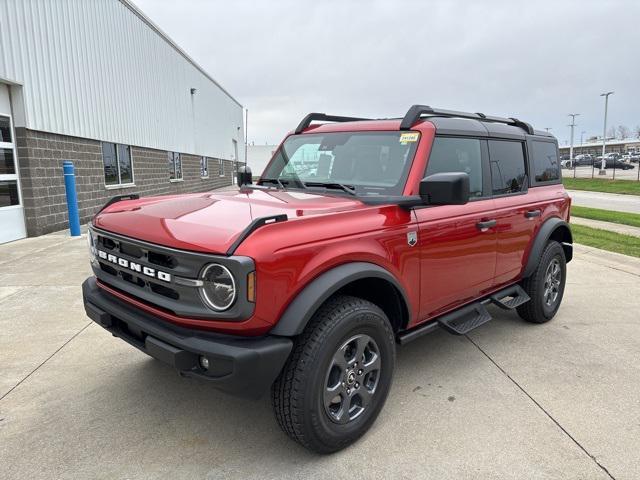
x: 457, y: 258
x: 515, y: 231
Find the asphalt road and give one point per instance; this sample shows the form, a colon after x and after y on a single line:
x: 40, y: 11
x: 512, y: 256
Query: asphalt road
x: 511, y: 400
x: 607, y: 201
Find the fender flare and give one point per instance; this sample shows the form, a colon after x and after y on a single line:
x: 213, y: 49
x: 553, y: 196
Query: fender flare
x: 295, y: 318
x: 548, y: 228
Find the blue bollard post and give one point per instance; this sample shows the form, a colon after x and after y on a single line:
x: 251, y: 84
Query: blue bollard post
x: 72, y: 197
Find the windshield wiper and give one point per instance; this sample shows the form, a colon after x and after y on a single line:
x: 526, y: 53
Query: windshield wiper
x: 350, y: 189
x: 273, y: 180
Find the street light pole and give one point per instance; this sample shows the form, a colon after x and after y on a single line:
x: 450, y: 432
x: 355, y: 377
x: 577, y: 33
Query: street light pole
x: 573, y: 124
x: 604, y: 133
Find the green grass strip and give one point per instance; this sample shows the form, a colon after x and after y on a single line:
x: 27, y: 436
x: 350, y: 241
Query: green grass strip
x: 606, y: 240
x: 622, y: 218
x: 628, y: 187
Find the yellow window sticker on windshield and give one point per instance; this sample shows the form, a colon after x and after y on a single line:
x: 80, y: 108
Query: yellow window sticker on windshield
x: 409, y: 137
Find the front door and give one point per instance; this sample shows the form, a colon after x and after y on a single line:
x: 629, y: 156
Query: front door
x: 457, y: 242
x: 11, y: 211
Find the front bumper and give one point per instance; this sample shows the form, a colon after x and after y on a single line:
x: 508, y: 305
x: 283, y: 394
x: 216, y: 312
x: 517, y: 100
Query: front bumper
x: 242, y: 366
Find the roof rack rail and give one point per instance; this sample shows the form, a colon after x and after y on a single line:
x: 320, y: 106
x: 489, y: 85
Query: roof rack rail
x: 306, y: 121
x: 416, y: 111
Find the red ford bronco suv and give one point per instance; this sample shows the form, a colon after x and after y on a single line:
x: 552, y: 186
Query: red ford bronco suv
x: 360, y: 234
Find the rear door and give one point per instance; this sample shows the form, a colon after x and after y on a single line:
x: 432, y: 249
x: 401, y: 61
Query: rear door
x: 457, y: 247
x: 517, y: 209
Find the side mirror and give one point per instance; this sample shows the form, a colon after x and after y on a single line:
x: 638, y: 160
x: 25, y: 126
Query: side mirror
x: 244, y: 175
x: 449, y: 188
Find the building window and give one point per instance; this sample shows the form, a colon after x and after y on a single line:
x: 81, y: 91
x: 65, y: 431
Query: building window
x: 220, y: 167
x: 175, y: 166
x: 118, y: 167
x: 204, y: 167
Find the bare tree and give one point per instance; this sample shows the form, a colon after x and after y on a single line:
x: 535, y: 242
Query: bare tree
x: 611, y: 133
x: 636, y: 132
x: 623, y: 132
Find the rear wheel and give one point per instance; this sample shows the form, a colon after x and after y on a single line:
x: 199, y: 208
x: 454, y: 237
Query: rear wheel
x: 545, y: 286
x: 337, y: 379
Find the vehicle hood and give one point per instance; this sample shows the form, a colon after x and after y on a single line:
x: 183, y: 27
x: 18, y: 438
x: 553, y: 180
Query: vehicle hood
x: 211, y: 222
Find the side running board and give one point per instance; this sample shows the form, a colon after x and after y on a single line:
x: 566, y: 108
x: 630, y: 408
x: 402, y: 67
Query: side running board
x: 510, y: 297
x: 465, y: 319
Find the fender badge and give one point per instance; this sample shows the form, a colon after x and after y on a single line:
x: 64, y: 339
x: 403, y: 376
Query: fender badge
x: 412, y: 238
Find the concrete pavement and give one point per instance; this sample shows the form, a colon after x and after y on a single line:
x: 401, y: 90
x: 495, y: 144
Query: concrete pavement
x: 511, y: 400
x: 606, y: 201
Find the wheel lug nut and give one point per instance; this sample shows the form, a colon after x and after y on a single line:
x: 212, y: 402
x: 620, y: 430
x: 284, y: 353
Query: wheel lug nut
x: 348, y: 391
x: 357, y: 385
x: 359, y: 372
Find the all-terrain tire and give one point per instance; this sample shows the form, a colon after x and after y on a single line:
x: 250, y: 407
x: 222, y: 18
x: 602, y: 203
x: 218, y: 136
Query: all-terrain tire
x: 540, y: 309
x: 299, y: 396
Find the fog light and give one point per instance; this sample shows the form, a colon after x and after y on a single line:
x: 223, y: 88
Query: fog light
x: 204, y: 363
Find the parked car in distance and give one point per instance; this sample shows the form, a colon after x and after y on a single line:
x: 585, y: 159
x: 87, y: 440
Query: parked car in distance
x: 615, y: 163
x: 631, y: 157
x: 566, y: 163
x: 359, y: 235
x: 583, y: 159
x: 609, y: 157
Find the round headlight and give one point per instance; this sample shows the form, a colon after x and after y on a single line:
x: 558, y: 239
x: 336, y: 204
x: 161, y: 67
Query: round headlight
x: 219, y: 287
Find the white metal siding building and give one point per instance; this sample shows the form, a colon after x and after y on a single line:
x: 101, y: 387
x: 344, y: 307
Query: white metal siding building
x: 100, y: 70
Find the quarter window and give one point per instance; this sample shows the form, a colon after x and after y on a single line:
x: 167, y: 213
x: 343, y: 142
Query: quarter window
x: 204, y: 167
x: 508, y: 171
x: 175, y: 166
x: 118, y: 167
x: 545, y: 162
x: 458, y: 155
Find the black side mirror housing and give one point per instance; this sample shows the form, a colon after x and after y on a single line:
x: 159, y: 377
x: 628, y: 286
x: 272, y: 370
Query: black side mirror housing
x: 448, y: 188
x: 244, y: 175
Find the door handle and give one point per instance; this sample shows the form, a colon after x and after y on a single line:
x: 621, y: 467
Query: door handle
x: 486, y: 224
x: 532, y: 213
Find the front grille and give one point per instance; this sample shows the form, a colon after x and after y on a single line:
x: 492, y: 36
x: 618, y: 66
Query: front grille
x: 130, y: 252
x: 148, y: 272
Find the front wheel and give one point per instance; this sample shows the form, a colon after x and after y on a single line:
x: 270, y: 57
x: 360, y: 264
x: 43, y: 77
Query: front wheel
x: 545, y: 286
x: 337, y: 379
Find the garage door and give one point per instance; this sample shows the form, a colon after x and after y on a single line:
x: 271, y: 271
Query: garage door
x: 11, y: 210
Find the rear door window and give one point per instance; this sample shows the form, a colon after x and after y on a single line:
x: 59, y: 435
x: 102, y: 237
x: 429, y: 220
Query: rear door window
x: 449, y: 154
x: 508, y: 169
x: 545, y: 166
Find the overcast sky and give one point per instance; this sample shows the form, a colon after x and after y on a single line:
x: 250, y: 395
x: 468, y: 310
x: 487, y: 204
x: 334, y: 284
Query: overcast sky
x: 536, y: 60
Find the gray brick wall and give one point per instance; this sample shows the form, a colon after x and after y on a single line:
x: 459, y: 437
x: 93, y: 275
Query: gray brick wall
x: 41, y: 155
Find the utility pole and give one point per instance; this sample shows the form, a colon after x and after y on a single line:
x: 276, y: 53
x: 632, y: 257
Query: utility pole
x: 548, y: 129
x: 246, y: 134
x: 604, y: 133
x: 573, y: 124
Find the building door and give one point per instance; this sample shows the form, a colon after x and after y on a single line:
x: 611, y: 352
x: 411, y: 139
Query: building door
x: 11, y: 211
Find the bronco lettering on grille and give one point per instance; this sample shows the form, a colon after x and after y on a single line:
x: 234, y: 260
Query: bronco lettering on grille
x: 135, y: 267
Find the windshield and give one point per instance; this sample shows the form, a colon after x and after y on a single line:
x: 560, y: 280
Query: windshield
x: 363, y: 163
